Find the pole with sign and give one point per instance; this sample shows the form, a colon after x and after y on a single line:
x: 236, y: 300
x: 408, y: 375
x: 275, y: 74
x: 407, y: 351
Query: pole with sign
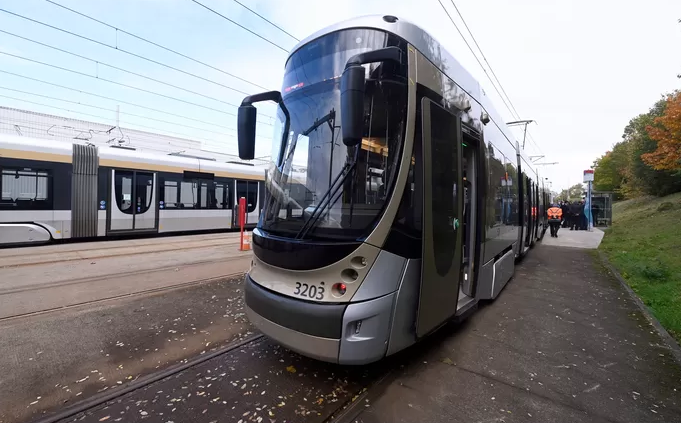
x: 588, y: 180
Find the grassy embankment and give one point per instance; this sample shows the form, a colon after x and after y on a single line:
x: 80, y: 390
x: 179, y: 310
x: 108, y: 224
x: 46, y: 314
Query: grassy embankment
x: 644, y: 244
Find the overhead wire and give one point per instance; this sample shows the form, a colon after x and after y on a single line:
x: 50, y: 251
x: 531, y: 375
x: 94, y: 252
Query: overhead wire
x: 113, y: 99
x: 140, y: 136
x: 509, y: 105
x: 241, y: 26
x: 108, y: 119
x: 484, y: 58
x: 476, y: 57
x: 124, y: 102
x: 111, y: 110
x: 97, y: 62
x: 114, y: 48
x: 116, y: 83
x: 264, y: 19
x: 492, y: 71
x: 156, y: 44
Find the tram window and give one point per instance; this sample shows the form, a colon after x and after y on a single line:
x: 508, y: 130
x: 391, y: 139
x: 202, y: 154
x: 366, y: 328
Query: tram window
x: 123, y: 185
x: 220, y: 196
x: 187, y: 194
x: 496, y: 201
x: 144, y: 189
x: 170, y: 192
x: 241, y: 191
x: 248, y: 190
x: 203, y: 198
x: 252, y: 196
x: 26, y: 189
x: 512, y: 192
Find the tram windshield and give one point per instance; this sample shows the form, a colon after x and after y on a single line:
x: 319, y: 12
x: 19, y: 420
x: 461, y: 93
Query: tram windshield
x: 317, y: 187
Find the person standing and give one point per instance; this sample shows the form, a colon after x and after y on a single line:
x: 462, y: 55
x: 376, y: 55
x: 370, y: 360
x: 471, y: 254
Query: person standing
x: 595, y: 212
x: 565, y: 207
x: 573, y: 218
x: 555, y: 215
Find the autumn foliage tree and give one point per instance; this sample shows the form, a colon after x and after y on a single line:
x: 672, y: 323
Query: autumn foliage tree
x: 646, y: 161
x: 666, y: 131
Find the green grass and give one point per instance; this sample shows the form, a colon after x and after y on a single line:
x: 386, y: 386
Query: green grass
x: 644, y: 244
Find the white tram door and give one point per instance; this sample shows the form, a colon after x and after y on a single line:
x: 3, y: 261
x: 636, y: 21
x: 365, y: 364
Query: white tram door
x: 442, y: 214
x: 133, y: 202
x: 248, y: 190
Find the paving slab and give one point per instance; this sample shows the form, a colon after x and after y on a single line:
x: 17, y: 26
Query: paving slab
x: 575, y: 239
x: 564, y: 342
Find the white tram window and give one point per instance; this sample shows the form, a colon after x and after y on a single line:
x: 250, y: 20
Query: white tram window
x: 123, y: 185
x: 204, y: 195
x: 170, y: 192
x: 222, y: 195
x: 188, y: 194
x: 24, y: 185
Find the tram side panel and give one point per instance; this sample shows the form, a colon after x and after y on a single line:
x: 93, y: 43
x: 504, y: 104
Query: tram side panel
x: 502, y: 211
x: 36, y: 199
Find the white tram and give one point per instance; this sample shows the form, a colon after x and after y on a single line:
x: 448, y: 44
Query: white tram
x: 416, y: 200
x: 55, y: 190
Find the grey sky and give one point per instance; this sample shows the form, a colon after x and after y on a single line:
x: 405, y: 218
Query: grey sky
x: 580, y: 68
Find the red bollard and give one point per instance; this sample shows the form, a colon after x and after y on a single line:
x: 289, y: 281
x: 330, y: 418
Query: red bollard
x: 242, y: 221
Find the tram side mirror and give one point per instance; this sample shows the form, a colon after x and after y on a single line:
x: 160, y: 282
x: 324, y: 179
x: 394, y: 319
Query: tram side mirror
x: 352, y: 104
x: 352, y: 91
x: 246, y: 119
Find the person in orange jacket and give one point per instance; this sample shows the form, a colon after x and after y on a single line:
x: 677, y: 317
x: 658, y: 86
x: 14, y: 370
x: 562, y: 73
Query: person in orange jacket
x: 555, y: 217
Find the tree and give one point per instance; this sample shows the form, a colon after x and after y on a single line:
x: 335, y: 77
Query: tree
x: 666, y: 131
x: 610, y: 169
x: 640, y: 177
x: 576, y: 192
x: 564, y: 195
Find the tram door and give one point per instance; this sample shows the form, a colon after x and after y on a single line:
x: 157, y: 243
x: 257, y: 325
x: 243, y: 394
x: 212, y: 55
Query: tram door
x: 133, y: 202
x: 248, y: 190
x: 442, y: 215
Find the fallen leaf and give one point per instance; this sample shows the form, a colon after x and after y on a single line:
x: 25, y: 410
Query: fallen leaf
x: 291, y: 369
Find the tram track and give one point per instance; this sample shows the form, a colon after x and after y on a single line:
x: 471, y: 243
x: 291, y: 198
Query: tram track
x: 117, y: 297
x: 17, y: 260
x: 46, y: 285
x: 72, y: 245
x: 353, y: 401
x: 143, y: 381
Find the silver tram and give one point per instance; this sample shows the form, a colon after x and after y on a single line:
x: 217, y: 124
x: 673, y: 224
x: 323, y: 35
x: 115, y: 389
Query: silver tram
x: 415, y: 204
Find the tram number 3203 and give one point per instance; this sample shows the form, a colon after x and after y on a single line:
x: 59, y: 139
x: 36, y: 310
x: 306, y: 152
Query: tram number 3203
x: 315, y: 292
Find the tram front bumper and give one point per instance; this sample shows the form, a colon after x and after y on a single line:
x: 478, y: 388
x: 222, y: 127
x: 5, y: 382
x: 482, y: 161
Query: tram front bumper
x: 326, y: 332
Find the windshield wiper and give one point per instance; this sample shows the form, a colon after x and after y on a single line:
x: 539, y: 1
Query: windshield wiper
x: 330, y: 193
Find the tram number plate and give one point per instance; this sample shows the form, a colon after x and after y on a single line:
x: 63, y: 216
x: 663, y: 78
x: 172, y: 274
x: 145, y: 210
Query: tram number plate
x: 315, y: 292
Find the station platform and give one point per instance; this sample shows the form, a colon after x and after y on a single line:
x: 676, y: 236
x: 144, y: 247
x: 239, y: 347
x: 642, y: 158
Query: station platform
x: 575, y: 239
x: 564, y: 342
